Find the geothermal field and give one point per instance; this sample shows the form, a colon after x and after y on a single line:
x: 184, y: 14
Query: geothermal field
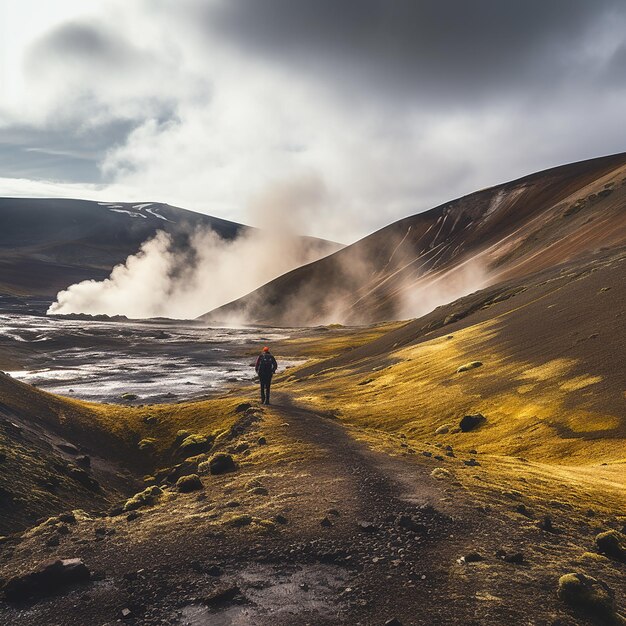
x: 474, y: 452
x: 312, y: 313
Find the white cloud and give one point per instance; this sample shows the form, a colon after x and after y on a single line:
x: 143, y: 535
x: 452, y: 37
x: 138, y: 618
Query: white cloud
x: 219, y: 124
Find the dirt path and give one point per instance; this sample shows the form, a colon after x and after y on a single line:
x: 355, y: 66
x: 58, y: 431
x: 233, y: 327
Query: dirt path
x: 365, y: 537
x: 369, y: 516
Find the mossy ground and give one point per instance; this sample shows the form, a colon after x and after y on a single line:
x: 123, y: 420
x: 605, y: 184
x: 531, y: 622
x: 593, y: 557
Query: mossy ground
x: 550, y: 387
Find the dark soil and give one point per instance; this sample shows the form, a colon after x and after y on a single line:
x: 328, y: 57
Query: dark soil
x: 359, y: 537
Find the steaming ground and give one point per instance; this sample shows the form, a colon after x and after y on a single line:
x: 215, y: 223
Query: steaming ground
x: 101, y: 361
x: 165, y: 280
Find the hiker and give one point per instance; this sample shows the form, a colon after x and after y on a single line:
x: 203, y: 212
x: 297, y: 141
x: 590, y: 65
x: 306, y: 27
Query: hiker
x: 265, y: 367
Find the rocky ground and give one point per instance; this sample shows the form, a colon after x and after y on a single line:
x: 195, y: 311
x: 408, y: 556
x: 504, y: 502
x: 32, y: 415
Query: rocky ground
x: 314, y: 526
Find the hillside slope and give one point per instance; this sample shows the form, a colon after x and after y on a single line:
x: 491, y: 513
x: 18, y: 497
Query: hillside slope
x: 356, y: 497
x: 415, y: 264
x: 47, y: 244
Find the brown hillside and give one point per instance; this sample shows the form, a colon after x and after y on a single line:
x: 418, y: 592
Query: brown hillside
x: 415, y: 264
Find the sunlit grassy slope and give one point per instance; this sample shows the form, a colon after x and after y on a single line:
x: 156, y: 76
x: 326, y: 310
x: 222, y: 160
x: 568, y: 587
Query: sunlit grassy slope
x: 551, y: 385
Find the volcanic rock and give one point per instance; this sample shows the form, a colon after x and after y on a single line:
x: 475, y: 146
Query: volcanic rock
x: 470, y: 422
x: 49, y: 578
x: 221, y: 463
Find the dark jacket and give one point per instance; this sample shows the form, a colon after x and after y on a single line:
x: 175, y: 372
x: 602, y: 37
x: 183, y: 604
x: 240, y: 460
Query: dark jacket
x: 265, y: 365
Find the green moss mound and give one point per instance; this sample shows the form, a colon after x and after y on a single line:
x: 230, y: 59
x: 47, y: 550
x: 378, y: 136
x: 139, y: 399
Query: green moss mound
x: 221, y: 463
x: 612, y: 544
x: 240, y: 520
x: 587, y: 594
x: 195, y: 444
x: 188, y: 483
x: 147, y: 497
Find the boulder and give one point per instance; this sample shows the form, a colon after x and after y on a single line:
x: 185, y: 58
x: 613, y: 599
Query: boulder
x: 442, y: 430
x: 516, y: 558
x: 470, y: 422
x: 408, y: 522
x: 471, y: 462
x: 83, y: 460
x: 588, y: 594
x: 221, y: 463
x: 546, y: 524
x: 367, y: 527
x: 612, y: 544
x: 188, y: 483
x: 67, y: 447
x: 49, y: 578
x: 67, y: 518
x: 82, y: 477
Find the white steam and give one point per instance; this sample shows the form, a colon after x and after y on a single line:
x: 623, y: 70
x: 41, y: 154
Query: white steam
x: 163, y: 281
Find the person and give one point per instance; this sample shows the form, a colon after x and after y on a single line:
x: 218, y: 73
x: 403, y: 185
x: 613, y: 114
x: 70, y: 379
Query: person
x: 265, y: 367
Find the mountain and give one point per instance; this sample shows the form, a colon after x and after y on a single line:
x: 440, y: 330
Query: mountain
x: 47, y: 244
x: 415, y: 264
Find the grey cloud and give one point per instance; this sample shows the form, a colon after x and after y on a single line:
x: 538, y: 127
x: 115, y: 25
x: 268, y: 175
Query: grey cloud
x: 432, y: 48
x: 85, y: 43
x: 63, y: 153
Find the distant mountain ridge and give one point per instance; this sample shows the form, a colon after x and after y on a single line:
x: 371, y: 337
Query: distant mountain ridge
x: 47, y: 244
x: 417, y: 263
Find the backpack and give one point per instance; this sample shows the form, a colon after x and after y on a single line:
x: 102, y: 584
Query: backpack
x: 266, y: 364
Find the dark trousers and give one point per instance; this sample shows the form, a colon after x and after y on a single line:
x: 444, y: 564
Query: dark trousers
x: 266, y: 381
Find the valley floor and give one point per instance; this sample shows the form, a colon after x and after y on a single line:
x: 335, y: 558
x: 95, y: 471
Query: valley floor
x: 316, y: 527
x: 357, y: 497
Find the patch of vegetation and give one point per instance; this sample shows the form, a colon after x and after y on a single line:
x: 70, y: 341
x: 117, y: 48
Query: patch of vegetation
x: 587, y: 594
x: 188, y: 483
x: 240, y: 520
x: 147, y: 497
x: 221, y: 463
x: 612, y: 544
x: 195, y: 444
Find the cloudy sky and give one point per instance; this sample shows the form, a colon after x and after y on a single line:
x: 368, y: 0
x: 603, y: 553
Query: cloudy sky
x: 349, y: 113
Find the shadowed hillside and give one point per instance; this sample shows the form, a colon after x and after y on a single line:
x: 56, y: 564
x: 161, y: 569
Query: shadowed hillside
x: 406, y: 269
x: 48, y: 244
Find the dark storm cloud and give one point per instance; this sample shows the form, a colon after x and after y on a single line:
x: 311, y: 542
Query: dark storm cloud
x: 434, y: 48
